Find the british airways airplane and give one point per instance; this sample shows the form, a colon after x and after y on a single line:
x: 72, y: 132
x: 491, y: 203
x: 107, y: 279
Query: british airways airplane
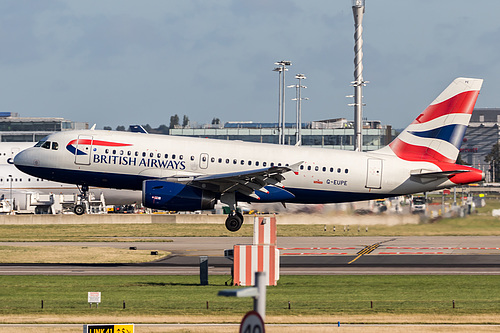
x: 187, y: 174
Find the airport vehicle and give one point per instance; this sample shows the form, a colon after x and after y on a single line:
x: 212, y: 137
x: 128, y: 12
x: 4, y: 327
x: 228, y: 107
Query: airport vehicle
x: 418, y: 205
x: 183, y: 174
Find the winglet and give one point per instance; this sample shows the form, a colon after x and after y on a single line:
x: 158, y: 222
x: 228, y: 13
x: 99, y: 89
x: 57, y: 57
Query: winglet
x: 295, y: 167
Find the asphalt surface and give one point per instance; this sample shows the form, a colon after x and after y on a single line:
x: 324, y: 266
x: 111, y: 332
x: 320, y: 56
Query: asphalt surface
x: 299, y: 255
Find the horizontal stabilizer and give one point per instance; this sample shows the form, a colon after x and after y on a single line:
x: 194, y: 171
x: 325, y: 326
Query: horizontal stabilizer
x: 439, y: 174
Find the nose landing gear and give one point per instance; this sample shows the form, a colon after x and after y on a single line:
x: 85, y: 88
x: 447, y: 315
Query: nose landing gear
x: 81, y: 207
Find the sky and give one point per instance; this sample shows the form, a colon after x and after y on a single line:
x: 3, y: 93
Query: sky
x: 121, y: 62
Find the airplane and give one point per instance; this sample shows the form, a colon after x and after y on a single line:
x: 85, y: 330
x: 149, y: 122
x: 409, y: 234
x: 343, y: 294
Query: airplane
x: 187, y: 174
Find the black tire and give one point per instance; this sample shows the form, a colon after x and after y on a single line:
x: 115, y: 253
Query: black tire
x: 234, y: 222
x: 79, y: 210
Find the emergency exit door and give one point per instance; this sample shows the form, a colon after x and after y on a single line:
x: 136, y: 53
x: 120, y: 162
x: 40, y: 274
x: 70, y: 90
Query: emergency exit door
x: 374, y: 173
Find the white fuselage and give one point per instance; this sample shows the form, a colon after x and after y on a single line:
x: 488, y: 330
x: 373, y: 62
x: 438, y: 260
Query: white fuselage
x: 123, y: 160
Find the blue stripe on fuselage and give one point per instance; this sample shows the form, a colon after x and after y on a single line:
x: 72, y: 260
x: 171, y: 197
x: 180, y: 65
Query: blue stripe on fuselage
x: 134, y: 182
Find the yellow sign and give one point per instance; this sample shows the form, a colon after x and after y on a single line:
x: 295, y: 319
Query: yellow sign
x: 110, y: 328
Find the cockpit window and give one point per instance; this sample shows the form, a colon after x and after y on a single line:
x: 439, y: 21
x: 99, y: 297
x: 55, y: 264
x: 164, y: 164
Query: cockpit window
x: 46, y: 145
x: 55, y: 145
x: 41, y: 142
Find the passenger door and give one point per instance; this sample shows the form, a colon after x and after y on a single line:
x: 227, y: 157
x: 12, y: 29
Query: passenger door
x: 83, y: 150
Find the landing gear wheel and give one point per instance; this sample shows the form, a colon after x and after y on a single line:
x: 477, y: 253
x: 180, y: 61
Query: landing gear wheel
x: 79, y: 210
x: 234, y: 222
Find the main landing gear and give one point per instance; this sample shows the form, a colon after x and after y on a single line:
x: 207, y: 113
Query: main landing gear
x: 235, y: 218
x: 81, y: 206
x: 234, y: 221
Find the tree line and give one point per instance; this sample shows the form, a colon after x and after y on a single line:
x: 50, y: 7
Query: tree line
x: 163, y: 129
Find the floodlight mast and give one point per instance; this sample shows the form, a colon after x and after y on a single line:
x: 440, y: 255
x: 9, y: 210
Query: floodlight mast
x: 281, y: 115
x: 298, y: 98
x: 358, y: 9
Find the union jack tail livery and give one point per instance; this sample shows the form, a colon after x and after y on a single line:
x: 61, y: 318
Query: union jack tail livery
x: 436, y: 134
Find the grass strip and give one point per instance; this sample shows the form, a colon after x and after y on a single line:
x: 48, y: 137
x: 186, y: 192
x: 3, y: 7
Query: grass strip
x: 328, y: 296
x: 474, y: 225
x: 75, y: 254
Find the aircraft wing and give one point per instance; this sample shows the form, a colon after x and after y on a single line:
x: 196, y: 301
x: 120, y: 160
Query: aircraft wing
x: 245, y: 182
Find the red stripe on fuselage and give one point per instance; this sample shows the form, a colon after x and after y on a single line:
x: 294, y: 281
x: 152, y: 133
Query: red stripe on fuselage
x: 99, y: 143
x: 461, y: 103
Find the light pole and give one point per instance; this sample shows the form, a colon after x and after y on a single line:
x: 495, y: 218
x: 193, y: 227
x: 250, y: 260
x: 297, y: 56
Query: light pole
x: 281, y: 118
x: 279, y: 69
x: 11, y: 206
x: 358, y: 9
x: 298, y: 98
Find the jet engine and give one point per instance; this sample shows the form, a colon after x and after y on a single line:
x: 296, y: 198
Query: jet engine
x: 158, y: 194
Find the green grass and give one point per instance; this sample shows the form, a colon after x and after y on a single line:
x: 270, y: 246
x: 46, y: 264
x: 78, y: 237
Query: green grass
x: 474, y: 225
x: 308, y: 295
x: 480, y: 223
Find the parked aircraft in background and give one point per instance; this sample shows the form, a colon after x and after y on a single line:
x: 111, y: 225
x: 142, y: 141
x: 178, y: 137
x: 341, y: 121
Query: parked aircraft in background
x: 181, y: 173
x: 16, y: 185
x: 10, y: 149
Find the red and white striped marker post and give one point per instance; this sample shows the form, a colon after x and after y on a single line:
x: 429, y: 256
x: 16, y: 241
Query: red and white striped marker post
x: 262, y: 256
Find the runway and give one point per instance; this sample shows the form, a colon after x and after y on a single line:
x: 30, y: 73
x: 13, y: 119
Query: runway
x: 299, y: 255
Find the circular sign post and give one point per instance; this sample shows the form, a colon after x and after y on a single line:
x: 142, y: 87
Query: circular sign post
x: 252, y: 323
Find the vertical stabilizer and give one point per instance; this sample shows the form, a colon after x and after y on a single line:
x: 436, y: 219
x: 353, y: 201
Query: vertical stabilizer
x: 437, y: 133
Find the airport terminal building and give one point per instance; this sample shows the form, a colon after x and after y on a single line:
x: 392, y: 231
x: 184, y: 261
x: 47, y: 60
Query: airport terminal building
x: 31, y: 129
x: 331, y: 133
x: 480, y: 136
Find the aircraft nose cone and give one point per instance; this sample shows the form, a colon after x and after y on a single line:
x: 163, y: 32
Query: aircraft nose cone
x: 25, y: 158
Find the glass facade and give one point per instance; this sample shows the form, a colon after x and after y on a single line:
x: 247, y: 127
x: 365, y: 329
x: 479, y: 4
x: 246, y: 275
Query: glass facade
x: 339, y: 138
x: 20, y: 129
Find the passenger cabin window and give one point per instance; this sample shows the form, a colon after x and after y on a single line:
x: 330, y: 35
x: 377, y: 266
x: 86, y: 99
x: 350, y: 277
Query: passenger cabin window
x: 143, y: 154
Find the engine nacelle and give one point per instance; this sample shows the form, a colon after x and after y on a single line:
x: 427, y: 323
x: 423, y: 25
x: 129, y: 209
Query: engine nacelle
x: 158, y: 194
